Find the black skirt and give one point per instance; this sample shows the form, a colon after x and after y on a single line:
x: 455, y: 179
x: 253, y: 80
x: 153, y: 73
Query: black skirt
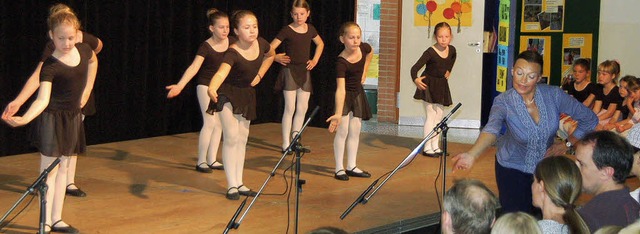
x: 437, y: 91
x: 58, y: 133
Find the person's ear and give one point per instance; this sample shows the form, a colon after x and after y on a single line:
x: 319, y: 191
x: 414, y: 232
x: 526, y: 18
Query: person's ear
x: 50, y: 35
x: 211, y: 28
x: 607, y: 172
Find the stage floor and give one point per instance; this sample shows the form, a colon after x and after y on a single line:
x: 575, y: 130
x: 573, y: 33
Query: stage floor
x: 150, y: 186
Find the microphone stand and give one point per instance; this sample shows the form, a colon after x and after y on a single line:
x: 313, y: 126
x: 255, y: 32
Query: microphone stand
x: 363, y: 198
x: 41, y: 185
x: 294, y: 145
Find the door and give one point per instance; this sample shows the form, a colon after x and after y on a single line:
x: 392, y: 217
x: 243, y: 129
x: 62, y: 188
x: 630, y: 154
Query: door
x: 465, y: 81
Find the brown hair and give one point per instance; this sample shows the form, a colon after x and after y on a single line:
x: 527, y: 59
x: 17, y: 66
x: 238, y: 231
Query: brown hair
x: 62, y: 14
x: 346, y: 26
x: 238, y: 15
x: 214, y: 14
x: 301, y: 4
x: 563, y: 185
x: 439, y: 26
x: 633, y: 84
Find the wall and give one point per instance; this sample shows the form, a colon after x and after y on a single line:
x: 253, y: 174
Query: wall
x: 619, y: 31
x: 466, y: 77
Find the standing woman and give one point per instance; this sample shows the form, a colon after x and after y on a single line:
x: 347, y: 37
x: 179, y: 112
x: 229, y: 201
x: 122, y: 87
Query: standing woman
x: 432, y: 86
x: 234, y: 98
x: 66, y: 81
x: 33, y: 83
x: 295, y: 77
x: 530, y: 112
x: 204, y: 65
x: 351, y: 103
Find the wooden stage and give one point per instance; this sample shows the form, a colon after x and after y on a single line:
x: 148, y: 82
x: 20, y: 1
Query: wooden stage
x: 150, y: 186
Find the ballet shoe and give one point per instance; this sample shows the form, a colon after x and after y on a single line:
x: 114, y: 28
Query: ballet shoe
x: 430, y: 154
x: 67, y: 229
x: 343, y: 177
x: 75, y: 192
x: 362, y: 174
x: 203, y: 169
x: 232, y: 196
x: 216, y: 167
x: 249, y: 192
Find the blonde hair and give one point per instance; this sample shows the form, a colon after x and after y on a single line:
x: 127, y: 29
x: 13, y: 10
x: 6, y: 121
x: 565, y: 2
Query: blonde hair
x: 518, y: 222
x: 214, y: 14
x: 610, y: 66
x: 346, y: 26
x: 62, y: 14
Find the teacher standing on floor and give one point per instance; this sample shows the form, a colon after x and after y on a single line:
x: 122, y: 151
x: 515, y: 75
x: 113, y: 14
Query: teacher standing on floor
x: 530, y: 112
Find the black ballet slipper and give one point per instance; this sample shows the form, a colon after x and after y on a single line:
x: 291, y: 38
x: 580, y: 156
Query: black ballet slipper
x: 362, y: 174
x: 218, y: 167
x: 343, y: 177
x: 249, y: 192
x: 232, y: 196
x: 203, y: 169
x: 75, y: 192
x: 67, y: 229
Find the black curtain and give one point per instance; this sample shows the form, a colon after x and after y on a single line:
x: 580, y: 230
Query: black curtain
x: 148, y: 44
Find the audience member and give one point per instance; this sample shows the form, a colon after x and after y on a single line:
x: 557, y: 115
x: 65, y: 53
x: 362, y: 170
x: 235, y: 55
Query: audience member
x: 516, y: 222
x: 634, y: 139
x: 469, y: 207
x: 605, y: 160
x: 556, y: 187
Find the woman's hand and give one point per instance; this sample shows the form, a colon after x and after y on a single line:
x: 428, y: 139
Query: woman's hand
x: 15, y: 121
x: 283, y: 59
x: 463, y: 161
x: 447, y: 74
x: 256, y: 80
x: 213, y: 94
x: 335, y: 121
x: 174, y: 90
x: 311, y: 64
x: 11, y: 109
x: 421, y: 85
x: 559, y: 148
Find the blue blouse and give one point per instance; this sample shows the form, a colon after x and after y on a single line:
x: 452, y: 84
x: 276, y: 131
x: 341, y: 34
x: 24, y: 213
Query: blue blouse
x: 524, y: 142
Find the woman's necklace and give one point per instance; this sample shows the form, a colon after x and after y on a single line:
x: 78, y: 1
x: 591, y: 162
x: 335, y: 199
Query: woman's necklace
x: 528, y: 102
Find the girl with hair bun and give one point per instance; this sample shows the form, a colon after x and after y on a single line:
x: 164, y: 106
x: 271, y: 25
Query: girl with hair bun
x: 204, y: 66
x: 432, y: 86
x: 351, y: 104
x: 33, y: 83
x: 66, y: 81
x: 233, y: 97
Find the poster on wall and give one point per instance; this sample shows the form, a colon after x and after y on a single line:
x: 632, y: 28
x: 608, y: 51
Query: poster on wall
x: 542, y: 16
x: 574, y: 46
x: 542, y: 45
x: 368, y: 18
x: 431, y: 12
x: 503, y: 46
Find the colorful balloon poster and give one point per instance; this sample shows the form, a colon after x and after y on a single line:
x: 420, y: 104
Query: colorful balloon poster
x: 431, y: 12
x: 542, y: 45
x: 574, y: 46
x: 542, y: 16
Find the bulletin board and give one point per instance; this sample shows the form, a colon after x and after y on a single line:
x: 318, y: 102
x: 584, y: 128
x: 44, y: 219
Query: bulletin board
x: 575, y: 46
x: 542, y: 45
x: 543, y: 15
